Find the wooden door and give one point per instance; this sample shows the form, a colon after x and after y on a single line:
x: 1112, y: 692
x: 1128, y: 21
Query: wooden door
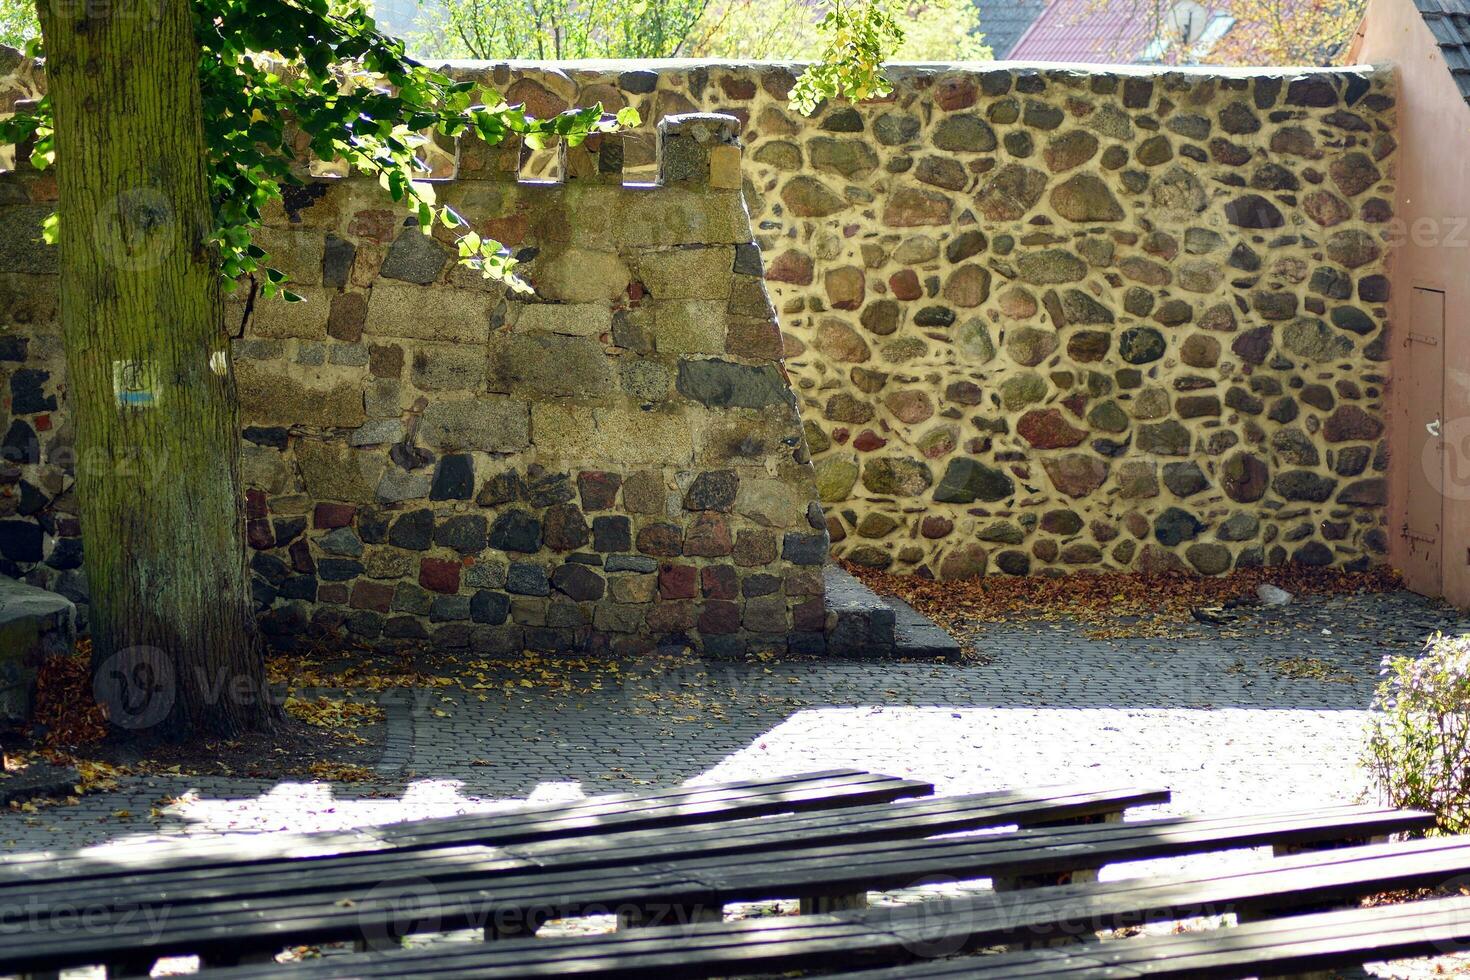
x: 1423, y: 407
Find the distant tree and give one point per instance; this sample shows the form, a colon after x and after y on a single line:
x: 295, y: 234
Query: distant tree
x: 18, y: 23
x: 1288, y: 32
x: 778, y: 30
x: 1262, y: 32
x: 557, y: 29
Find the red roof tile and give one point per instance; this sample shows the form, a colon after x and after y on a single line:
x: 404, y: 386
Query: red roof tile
x: 1087, y: 31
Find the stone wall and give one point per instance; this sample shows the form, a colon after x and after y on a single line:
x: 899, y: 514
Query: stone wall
x: 1042, y: 319
x: 616, y: 461
x: 1047, y: 319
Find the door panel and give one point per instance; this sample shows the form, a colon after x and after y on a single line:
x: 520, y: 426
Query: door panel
x: 1423, y: 411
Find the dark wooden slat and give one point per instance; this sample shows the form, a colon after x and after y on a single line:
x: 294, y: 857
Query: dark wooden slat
x: 1276, y: 946
x: 912, y: 818
x: 682, y: 807
x: 342, y: 911
x: 897, y: 934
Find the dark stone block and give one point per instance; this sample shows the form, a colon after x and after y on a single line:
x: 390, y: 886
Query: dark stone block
x: 464, y: 533
x: 630, y: 563
x: 27, y: 392
x: 13, y: 347
x: 21, y: 447
x: 578, y: 582
x: 337, y: 256
x: 490, y: 608
x: 805, y: 549
x: 338, y: 569
x: 726, y: 384
x: 713, y: 490
x: 516, y: 530
x: 20, y: 541
x: 268, y: 567
x: 1175, y: 525
x: 564, y: 528
x: 527, y: 579
x: 299, y: 587
x: 413, y: 530
x: 454, y: 478
x: 612, y: 533
x: 67, y: 553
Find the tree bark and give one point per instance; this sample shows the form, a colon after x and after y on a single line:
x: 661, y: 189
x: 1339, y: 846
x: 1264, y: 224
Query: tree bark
x: 150, y: 387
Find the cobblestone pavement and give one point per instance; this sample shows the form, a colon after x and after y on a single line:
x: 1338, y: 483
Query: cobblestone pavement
x: 1264, y: 713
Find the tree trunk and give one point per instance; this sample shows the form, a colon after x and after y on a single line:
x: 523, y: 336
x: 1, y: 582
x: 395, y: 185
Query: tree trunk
x: 150, y: 388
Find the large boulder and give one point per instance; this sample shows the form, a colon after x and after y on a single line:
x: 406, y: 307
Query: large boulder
x: 34, y: 624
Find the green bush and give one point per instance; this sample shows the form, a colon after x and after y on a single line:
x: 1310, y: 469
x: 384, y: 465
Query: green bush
x: 1419, y: 739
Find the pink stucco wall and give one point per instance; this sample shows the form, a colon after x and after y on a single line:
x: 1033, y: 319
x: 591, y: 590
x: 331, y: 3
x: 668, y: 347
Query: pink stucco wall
x: 1432, y: 250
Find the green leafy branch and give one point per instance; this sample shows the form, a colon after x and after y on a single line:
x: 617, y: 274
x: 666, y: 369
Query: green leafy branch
x: 857, y: 35
x: 284, y: 81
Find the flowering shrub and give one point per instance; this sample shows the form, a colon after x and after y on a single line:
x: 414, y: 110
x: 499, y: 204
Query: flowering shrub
x: 1419, y: 742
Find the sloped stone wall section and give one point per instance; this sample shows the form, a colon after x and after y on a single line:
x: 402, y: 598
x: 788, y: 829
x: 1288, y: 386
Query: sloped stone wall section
x: 611, y: 463
x: 1045, y: 319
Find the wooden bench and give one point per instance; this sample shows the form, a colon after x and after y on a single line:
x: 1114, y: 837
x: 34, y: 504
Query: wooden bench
x: 937, y: 927
x: 1274, y: 947
x: 685, y: 875
x: 676, y: 807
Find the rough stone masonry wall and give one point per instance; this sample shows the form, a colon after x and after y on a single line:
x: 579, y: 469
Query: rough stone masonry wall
x: 1046, y: 319
x: 616, y: 461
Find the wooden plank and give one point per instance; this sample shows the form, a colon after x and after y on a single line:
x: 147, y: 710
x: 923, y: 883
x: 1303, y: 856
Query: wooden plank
x: 1275, y: 946
x: 338, y: 909
x: 897, y: 934
x: 912, y: 818
x: 680, y: 806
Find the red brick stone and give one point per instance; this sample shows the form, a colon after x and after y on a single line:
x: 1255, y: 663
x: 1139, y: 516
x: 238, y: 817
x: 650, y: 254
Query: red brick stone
x: 366, y: 594
x: 719, y: 582
x: 905, y: 284
x: 810, y: 616
x: 661, y: 540
x: 670, y: 617
x: 258, y: 534
x: 599, y: 490
x: 334, y: 592
x: 255, y: 504
x: 327, y: 515
x: 719, y: 617
x: 868, y: 440
x: 934, y: 527
x: 955, y: 93
x: 301, y: 559
x: 708, y: 536
x: 376, y: 225
x: 755, y: 547
x: 678, y: 581
x: 792, y: 267
x: 438, y: 575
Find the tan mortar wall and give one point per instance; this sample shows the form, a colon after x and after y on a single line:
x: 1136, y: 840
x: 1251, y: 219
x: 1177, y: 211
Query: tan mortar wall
x: 1044, y: 319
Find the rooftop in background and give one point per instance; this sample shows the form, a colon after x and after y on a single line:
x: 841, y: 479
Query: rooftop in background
x: 1004, y: 21
x: 1111, y: 32
x: 1449, y: 22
